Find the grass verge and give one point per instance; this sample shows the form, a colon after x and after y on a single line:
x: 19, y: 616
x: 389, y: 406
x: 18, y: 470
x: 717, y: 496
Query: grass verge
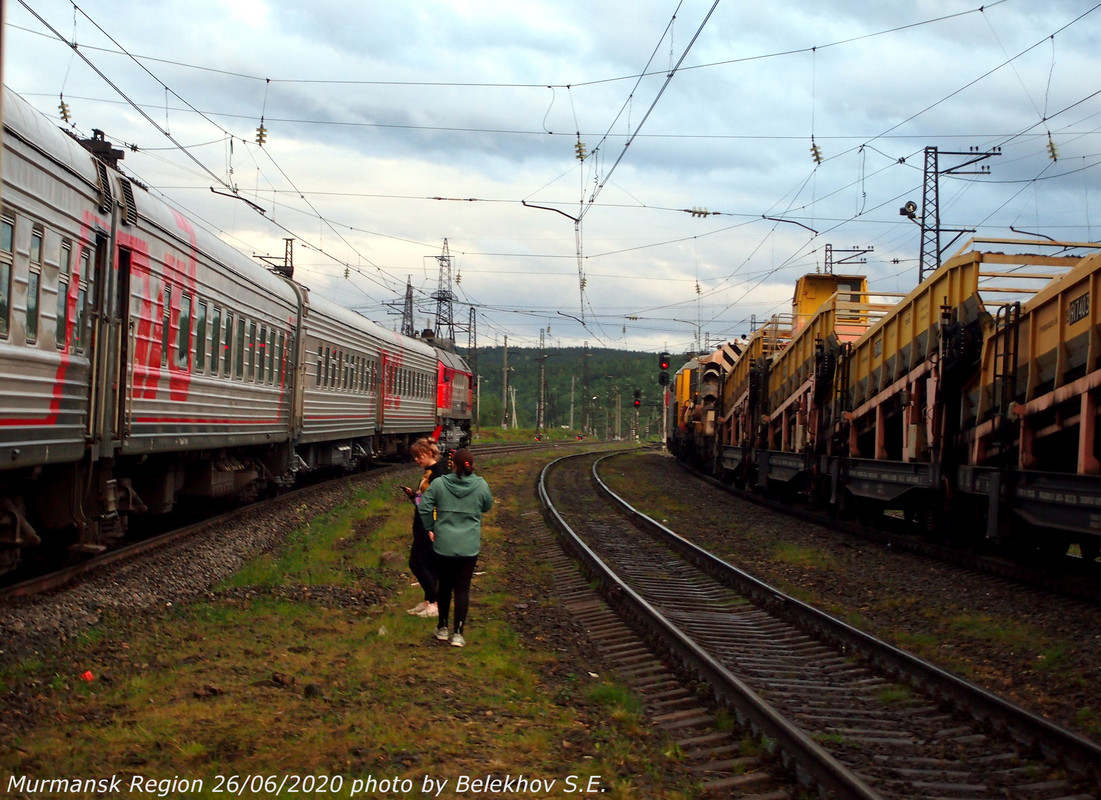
x: 304, y: 672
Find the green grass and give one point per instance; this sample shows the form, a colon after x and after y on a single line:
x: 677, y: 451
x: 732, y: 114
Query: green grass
x: 806, y: 557
x: 270, y: 676
x: 895, y: 695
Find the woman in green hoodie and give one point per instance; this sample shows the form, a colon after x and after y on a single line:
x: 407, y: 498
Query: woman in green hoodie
x: 451, y: 510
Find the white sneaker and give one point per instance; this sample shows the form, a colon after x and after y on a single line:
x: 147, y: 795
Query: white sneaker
x: 442, y: 633
x: 430, y: 610
x: 418, y: 608
x: 457, y: 640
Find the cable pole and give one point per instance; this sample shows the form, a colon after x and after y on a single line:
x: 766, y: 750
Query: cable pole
x: 407, y: 312
x: 445, y: 323
x: 931, y: 230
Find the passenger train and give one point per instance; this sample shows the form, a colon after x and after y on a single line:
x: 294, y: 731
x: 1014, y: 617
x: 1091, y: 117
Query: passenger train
x: 144, y: 362
x: 968, y: 406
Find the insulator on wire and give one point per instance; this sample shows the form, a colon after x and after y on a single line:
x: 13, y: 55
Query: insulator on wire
x: 63, y: 109
x: 261, y: 133
x: 815, y: 152
x: 579, y: 148
x: 696, y: 211
x: 1052, y: 151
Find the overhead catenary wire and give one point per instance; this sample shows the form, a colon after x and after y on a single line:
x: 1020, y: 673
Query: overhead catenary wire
x: 734, y: 212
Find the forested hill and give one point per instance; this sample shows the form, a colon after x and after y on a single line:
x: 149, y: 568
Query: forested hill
x: 571, y: 375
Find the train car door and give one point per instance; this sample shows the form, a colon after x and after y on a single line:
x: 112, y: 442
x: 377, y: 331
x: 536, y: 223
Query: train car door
x: 122, y: 329
x: 107, y: 347
x: 96, y: 279
x: 382, y: 388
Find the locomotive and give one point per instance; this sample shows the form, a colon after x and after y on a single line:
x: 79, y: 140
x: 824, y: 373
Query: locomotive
x: 968, y: 406
x: 144, y: 362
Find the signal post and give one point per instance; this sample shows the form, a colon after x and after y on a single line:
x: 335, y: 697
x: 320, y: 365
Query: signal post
x: 663, y: 381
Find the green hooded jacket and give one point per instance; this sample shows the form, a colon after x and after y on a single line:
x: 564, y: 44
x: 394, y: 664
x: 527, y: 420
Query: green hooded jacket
x: 452, y: 508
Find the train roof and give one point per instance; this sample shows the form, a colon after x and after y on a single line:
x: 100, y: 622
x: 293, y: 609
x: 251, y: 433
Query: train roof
x: 26, y: 122
x: 451, y: 360
x: 322, y: 305
x: 40, y: 133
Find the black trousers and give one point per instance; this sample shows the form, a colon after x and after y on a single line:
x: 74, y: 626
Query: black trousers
x: 422, y: 562
x: 455, y: 574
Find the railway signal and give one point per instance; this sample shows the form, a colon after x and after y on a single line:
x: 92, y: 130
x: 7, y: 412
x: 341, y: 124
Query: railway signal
x: 638, y: 397
x: 663, y: 365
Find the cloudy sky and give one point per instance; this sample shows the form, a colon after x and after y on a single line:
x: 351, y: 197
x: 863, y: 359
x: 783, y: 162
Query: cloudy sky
x: 394, y: 127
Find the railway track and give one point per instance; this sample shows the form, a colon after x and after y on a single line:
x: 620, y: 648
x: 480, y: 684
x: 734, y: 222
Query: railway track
x: 849, y: 715
x: 136, y: 546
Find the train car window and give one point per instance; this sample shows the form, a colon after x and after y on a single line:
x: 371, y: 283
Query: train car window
x: 34, y: 283
x: 82, y: 295
x: 200, y: 337
x: 269, y: 355
x: 65, y: 262
x: 7, y: 255
x: 261, y: 360
x: 251, y: 374
x: 36, y: 246
x: 279, y: 357
x: 62, y: 319
x: 215, y: 339
x: 78, y: 323
x: 34, y: 280
x: 166, y: 326
x: 227, y: 347
x: 183, y: 337
x: 320, y: 364
x: 325, y: 379
x: 239, y: 361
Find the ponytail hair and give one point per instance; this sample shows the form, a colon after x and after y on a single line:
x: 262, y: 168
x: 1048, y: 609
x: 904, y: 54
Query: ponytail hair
x: 463, y: 460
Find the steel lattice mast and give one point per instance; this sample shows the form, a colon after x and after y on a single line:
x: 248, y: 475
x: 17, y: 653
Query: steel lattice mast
x: 445, y: 322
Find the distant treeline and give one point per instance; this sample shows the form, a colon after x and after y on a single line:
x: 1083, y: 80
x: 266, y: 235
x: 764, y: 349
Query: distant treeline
x: 581, y: 385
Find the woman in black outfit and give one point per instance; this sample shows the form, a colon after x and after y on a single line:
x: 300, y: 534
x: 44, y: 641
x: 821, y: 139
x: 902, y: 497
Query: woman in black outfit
x: 421, y: 557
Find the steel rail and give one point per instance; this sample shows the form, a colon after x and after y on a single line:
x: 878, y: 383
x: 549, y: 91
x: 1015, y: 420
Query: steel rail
x: 811, y: 763
x: 1081, y: 755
